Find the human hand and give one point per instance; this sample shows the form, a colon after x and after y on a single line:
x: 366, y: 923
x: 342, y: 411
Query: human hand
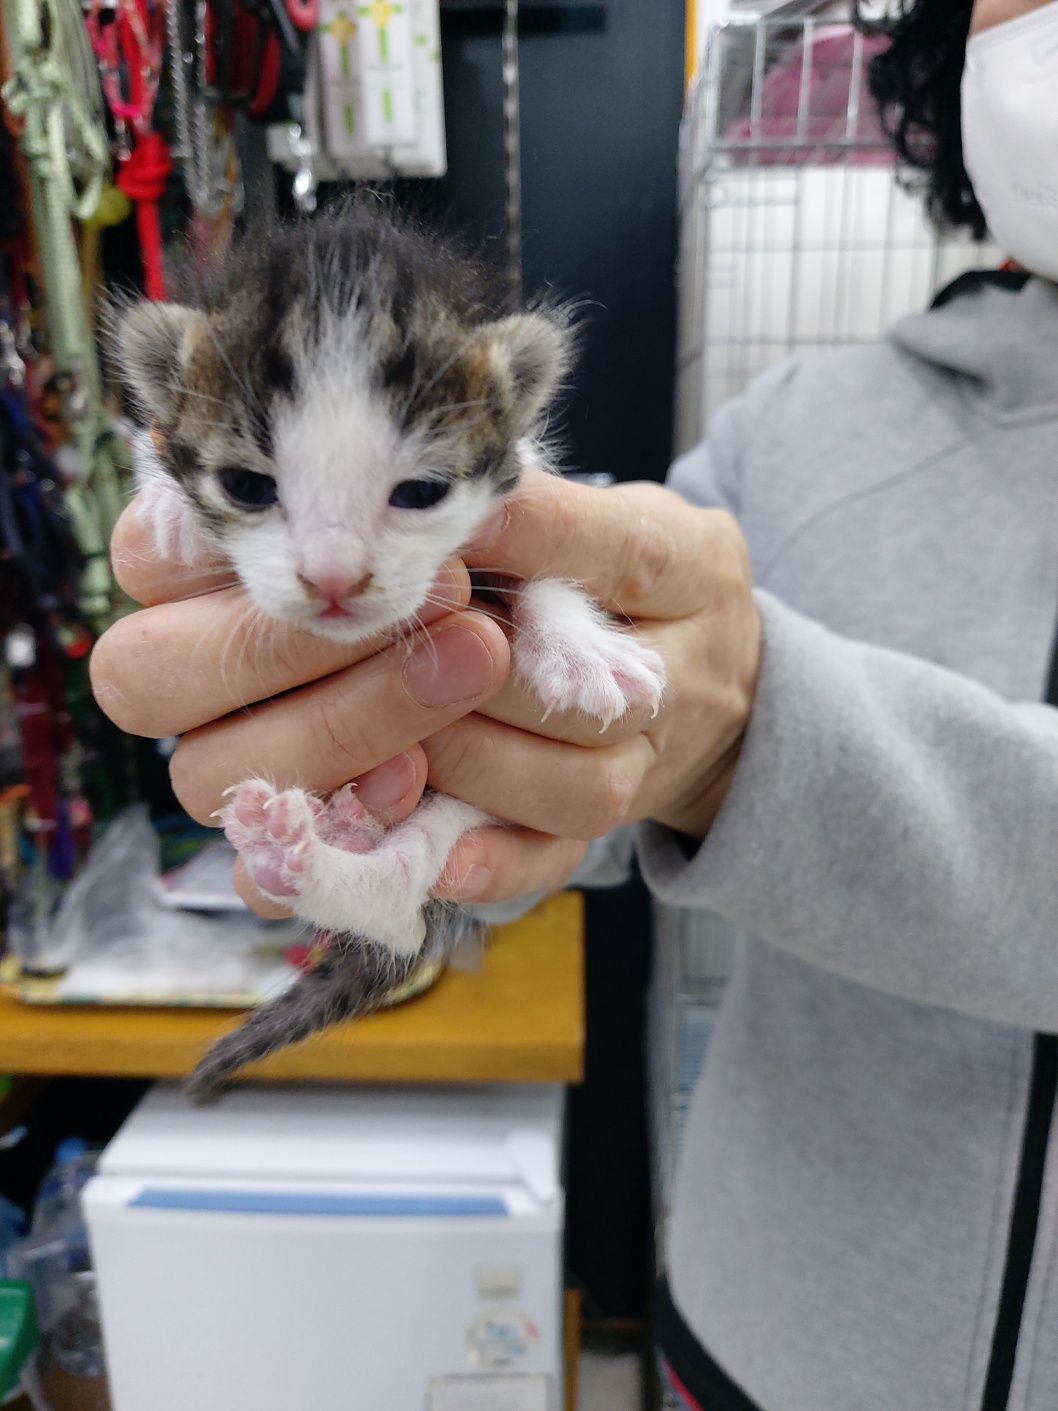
x: 681, y: 577
x: 205, y: 667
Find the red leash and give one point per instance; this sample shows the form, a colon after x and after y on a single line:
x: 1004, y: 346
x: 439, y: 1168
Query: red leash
x: 132, y: 40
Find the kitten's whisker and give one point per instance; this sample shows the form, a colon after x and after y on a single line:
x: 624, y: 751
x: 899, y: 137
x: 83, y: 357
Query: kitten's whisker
x: 204, y: 396
x: 496, y: 616
x: 436, y: 413
x: 419, y: 633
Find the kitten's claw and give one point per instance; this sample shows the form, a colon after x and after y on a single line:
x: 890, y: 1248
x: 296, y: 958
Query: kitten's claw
x: 578, y: 659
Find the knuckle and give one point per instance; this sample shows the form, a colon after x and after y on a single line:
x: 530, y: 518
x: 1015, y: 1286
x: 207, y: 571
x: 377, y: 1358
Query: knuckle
x: 457, y: 755
x: 563, y: 527
x: 651, y: 555
x: 607, y: 804
x: 727, y: 556
x: 341, y: 745
x: 728, y: 540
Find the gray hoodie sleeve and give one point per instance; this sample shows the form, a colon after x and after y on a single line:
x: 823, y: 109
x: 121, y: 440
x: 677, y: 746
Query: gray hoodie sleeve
x: 889, y: 820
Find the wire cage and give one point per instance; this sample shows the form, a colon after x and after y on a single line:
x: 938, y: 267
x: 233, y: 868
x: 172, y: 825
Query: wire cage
x: 796, y: 233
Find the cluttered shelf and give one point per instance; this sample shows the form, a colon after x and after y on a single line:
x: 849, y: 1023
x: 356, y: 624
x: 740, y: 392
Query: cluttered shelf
x: 518, y: 1018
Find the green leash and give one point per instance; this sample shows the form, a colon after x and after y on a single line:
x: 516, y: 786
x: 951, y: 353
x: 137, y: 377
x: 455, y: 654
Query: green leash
x: 55, y: 90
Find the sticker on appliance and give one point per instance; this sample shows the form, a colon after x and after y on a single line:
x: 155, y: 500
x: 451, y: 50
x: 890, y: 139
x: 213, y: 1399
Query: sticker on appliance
x: 502, y: 1337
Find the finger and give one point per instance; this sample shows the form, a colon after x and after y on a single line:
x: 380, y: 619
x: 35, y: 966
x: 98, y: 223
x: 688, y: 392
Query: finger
x: 337, y: 729
x: 392, y: 790
x: 147, y: 577
x: 172, y: 667
x: 495, y: 864
x: 546, y: 785
x: 255, y: 900
x: 639, y: 549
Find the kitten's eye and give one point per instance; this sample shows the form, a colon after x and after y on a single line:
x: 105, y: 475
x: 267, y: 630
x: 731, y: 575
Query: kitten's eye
x: 419, y: 494
x: 248, y: 488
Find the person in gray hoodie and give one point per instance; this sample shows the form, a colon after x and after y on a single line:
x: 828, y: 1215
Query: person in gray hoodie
x: 866, y: 1212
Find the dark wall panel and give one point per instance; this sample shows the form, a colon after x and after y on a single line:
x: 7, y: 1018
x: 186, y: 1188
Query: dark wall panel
x: 601, y: 96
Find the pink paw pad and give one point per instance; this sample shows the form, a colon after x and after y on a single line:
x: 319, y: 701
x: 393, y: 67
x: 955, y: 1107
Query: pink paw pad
x: 279, y: 836
x: 275, y: 834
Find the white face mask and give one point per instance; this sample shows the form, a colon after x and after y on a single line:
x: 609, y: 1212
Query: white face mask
x: 1010, y: 134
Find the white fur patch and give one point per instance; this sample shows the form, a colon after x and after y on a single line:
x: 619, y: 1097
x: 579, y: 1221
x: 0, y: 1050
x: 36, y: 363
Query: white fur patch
x: 576, y: 658
x: 175, y: 528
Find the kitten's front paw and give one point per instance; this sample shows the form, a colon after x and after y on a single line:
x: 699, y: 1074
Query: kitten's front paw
x: 280, y: 836
x: 603, y: 673
x: 576, y: 658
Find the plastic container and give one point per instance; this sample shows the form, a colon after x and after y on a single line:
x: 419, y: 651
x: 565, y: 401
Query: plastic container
x: 56, y: 1247
x: 72, y: 1372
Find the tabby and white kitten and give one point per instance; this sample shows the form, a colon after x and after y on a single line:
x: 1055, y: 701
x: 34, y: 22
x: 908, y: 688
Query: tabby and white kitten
x: 336, y: 410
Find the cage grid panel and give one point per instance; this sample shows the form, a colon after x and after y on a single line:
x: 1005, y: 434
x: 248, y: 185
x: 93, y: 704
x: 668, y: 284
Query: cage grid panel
x: 796, y: 231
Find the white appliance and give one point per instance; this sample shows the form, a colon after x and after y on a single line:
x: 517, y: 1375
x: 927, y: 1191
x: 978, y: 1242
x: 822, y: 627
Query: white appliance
x: 330, y: 1249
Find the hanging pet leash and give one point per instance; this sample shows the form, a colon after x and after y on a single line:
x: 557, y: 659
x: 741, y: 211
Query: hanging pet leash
x: 128, y: 36
x: 512, y: 152
x: 55, y: 92
x: 45, y: 94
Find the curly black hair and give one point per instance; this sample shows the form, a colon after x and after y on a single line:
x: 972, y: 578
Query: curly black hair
x: 916, y: 83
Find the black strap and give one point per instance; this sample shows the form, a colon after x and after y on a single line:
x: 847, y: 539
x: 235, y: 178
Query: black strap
x: 973, y: 279
x: 1024, y: 1219
x: 1028, y: 1192
x: 1051, y: 695
x: 708, y: 1384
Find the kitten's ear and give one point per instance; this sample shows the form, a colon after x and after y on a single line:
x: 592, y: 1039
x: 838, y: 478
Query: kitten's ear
x: 534, y: 351
x: 152, y: 343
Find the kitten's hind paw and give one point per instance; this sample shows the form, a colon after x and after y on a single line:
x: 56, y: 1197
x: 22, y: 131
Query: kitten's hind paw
x: 337, y: 867
x: 279, y: 835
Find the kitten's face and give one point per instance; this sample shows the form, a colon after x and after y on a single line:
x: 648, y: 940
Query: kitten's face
x: 338, y: 467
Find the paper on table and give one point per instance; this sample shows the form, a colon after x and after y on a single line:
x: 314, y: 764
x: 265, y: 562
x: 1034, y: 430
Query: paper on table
x: 204, y: 883
x: 188, y: 959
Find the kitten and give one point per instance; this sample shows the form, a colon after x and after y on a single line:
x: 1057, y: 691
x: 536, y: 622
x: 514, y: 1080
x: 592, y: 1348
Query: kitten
x: 336, y: 410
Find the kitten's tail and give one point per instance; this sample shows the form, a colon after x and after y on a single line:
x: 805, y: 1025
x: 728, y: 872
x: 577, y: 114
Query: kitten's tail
x: 353, y: 976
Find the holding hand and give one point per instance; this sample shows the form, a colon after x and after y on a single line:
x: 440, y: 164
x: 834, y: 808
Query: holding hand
x: 251, y: 699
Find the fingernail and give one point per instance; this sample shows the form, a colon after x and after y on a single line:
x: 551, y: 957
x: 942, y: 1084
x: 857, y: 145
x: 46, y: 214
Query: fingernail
x: 385, y: 785
x: 453, y: 666
x: 472, y: 883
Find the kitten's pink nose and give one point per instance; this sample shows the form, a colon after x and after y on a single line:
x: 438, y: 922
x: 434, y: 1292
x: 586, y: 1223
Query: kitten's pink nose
x: 334, y: 587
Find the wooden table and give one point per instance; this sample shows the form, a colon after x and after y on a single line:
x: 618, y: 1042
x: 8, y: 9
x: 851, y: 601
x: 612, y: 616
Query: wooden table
x: 520, y: 1018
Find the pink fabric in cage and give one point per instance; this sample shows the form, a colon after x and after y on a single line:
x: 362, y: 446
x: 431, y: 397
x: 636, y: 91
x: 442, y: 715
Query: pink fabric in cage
x: 822, y: 139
